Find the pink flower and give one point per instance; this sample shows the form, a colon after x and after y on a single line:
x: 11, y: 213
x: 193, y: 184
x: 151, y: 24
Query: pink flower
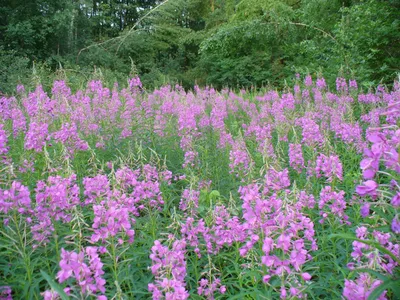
x: 353, y: 84
x: 396, y: 224
x: 321, y: 83
x: 365, y: 210
x: 306, y: 276
x: 283, y: 242
x: 370, y: 164
x: 369, y: 187
x: 5, y: 293
x: 283, y: 292
x: 308, y: 81
x: 396, y: 200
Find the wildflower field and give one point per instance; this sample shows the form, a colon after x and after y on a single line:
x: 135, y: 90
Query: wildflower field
x: 126, y: 194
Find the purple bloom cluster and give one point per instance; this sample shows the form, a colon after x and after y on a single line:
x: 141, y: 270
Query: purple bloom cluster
x: 208, y: 288
x: 96, y: 189
x: 366, y: 256
x: 333, y: 204
x: 37, y: 136
x: 86, y: 269
x: 311, y: 132
x: 223, y: 231
x: 190, y: 201
x: 341, y: 85
x: 361, y: 288
x: 169, y: 269
x: 68, y: 136
x: 142, y: 186
x: 321, y: 83
x: 275, y: 181
x: 329, y: 167
x: 305, y: 200
x: 16, y: 198
x: 288, y: 236
x: 112, y: 219
x: 18, y: 121
x: 55, y: 201
x: 3, y: 140
x: 382, y: 157
x: 296, y: 159
x: 239, y: 158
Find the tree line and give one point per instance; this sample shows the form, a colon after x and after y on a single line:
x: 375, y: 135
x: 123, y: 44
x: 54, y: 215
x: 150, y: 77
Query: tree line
x: 235, y: 43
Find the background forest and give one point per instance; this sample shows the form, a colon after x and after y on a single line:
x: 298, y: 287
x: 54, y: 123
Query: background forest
x: 206, y: 42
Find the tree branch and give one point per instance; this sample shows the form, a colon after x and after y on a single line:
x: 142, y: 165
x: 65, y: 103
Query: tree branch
x: 138, y: 22
x: 121, y: 37
x: 309, y: 26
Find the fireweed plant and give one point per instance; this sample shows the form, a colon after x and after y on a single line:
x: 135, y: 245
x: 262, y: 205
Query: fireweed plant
x: 122, y: 194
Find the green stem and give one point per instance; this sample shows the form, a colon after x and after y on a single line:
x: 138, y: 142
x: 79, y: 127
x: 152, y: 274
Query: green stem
x: 114, y: 258
x: 56, y: 241
x: 237, y: 263
x: 153, y: 224
x: 196, y: 272
x: 25, y: 256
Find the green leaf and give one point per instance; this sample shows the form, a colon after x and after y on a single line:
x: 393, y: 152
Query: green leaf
x: 214, y: 194
x: 396, y: 289
x: 55, y: 286
x: 381, y: 288
x: 367, y: 242
x: 372, y: 272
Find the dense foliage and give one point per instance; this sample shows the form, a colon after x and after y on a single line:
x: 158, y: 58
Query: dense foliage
x: 123, y: 194
x: 209, y: 42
